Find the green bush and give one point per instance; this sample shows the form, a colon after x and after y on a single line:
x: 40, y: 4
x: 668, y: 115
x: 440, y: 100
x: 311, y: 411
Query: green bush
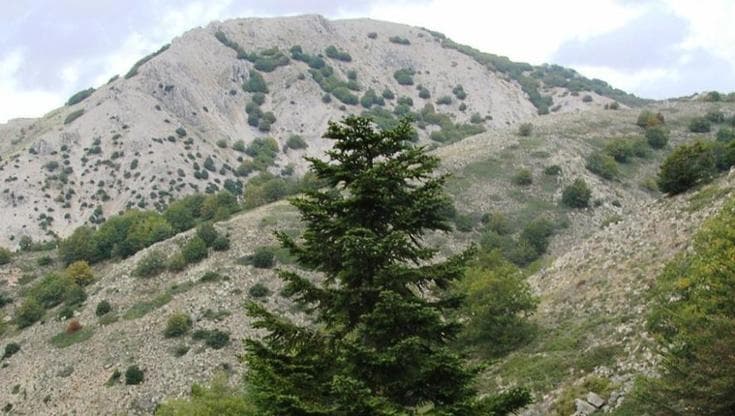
x: 388, y: 94
x: 648, y: 119
x: 103, y: 308
x: 576, y: 195
x: 459, y: 92
x: 133, y: 375
x: 553, y: 170
x: 370, y: 98
x: 10, y: 349
x: 177, y: 325
x: 444, y: 100
x: 525, y: 129
x: 424, y: 93
x: 134, y: 69
x: 28, y: 313
x: 399, y: 40
x: 177, y: 262
x: 80, y: 96
x: 207, y: 233
x: 194, y: 250
x: 334, y: 53
x: 5, y: 255
x: 79, y: 272
x: 523, y: 177
x: 657, y: 137
x: 725, y: 134
x: 296, y: 142
x: 219, y: 399
x: 497, y: 222
x: 404, y: 76
x: 255, y: 83
x: 221, y: 243
x: 150, y: 265
x: 699, y: 125
x: 602, y: 165
x: 687, y: 166
x: 259, y: 290
x: 537, y: 233
x: 715, y: 116
x: 263, y: 258
x: 214, y: 338
x: 73, y: 116
x: 345, y: 96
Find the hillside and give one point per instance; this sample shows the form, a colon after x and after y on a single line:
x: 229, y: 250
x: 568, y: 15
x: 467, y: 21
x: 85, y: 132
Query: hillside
x: 591, y: 282
x: 183, y: 119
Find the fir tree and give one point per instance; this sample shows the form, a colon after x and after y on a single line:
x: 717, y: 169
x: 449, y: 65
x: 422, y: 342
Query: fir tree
x: 377, y: 342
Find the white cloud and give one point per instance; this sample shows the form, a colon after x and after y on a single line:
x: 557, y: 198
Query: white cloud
x: 20, y: 102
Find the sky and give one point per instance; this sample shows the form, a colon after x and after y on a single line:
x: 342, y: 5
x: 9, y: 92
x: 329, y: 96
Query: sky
x: 50, y: 49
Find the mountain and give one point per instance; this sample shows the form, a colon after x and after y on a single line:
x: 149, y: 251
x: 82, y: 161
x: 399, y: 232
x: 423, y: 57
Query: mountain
x: 181, y: 120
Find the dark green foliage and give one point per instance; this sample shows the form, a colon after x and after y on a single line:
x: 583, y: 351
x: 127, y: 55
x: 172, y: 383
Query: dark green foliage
x: 657, y: 137
x: 370, y: 98
x: 576, y: 195
x: 444, y: 100
x: 344, y: 95
x: 103, y: 308
x: 715, y: 116
x: 258, y: 291
x: 5, y: 255
x: 314, y: 62
x: 388, y: 94
x: 51, y: 290
x: 134, y: 70
x: 255, y: 83
x: 73, y: 116
x: 28, y: 313
x: 330, y: 83
x: 603, y: 165
x: 459, y: 92
x: 10, y: 349
x: 693, y: 319
x: 80, y: 96
x: 5, y: 299
x: 296, y: 142
x: 150, y: 265
x: 194, y: 250
x: 450, y: 132
x: 239, y: 145
x: 379, y: 347
x: 476, y: 118
x: 258, y: 98
x: 214, y: 338
x: 268, y: 60
x: 525, y: 129
x: 553, y: 170
x: 177, y: 325
x: 337, y: 54
x: 424, y: 93
x: 523, y: 177
x: 687, y: 166
x: 133, y: 375
x: 263, y: 151
x: 700, y: 125
x: 399, y: 40
x: 263, y: 258
x: 372, y: 35
x: 207, y: 233
x: 404, y: 76
x: 221, y: 243
x: 537, y: 233
x: 726, y: 134
x: 498, y: 302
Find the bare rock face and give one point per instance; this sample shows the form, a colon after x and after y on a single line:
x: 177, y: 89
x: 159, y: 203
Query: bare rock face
x: 139, y: 140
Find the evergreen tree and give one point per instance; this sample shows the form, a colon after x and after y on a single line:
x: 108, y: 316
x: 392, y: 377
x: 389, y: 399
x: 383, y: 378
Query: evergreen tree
x: 378, y: 332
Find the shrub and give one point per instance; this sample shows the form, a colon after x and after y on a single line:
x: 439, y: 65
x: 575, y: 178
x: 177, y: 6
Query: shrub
x: 73, y: 116
x: 370, y: 98
x: 263, y: 258
x: 259, y: 290
x: 725, y: 134
x: 459, y: 92
x: 80, y: 96
x: 553, y: 170
x: 133, y: 375
x: 150, y: 265
x: 344, y: 95
x: 525, y: 129
x: 686, y: 166
x: 576, y: 195
x: 103, y: 308
x: 221, y: 243
x: 296, y: 142
x: 372, y: 35
x: 337, y: 54
x: 497, y: 223
x: 177, y: 262
x: 523, y: 177
x: 73, y: 326
x: 214, y: 338
x: 255, y: 83
x: 5, y: 255
x: 28, y: 313
x: 587, y: 98
x: 388, y: 94
x: 657, y: 137
x: 602, y: 165
x: 649, y: 119
x: 424, y: 93
x: 239, y: 145
x: 699, y: 125
x: 207, y: 233
x: 444, y: 100
x: 715, y: 116
x: 476, y: 118
x: 399, y: 40
x: 194, y: 250
x: 178, y: 324
x: 80, y: 273
x: 404, y: 76
x: 537, y: 233
x: 10, y: 349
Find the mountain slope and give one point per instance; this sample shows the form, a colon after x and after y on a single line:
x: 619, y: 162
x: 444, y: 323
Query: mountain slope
x: 167, y: 128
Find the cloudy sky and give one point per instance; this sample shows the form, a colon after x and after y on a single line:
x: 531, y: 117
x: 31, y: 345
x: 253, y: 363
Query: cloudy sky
x: 50, y: 49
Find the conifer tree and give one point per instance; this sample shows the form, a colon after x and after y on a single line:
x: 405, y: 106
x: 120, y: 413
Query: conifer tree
x: 378, y: 332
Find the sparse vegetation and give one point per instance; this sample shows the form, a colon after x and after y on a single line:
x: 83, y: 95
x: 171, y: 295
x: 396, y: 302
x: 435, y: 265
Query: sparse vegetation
x: 525, y: 129
x: 134, y: 70
x: 576, y: 195
x: 79, y: 97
